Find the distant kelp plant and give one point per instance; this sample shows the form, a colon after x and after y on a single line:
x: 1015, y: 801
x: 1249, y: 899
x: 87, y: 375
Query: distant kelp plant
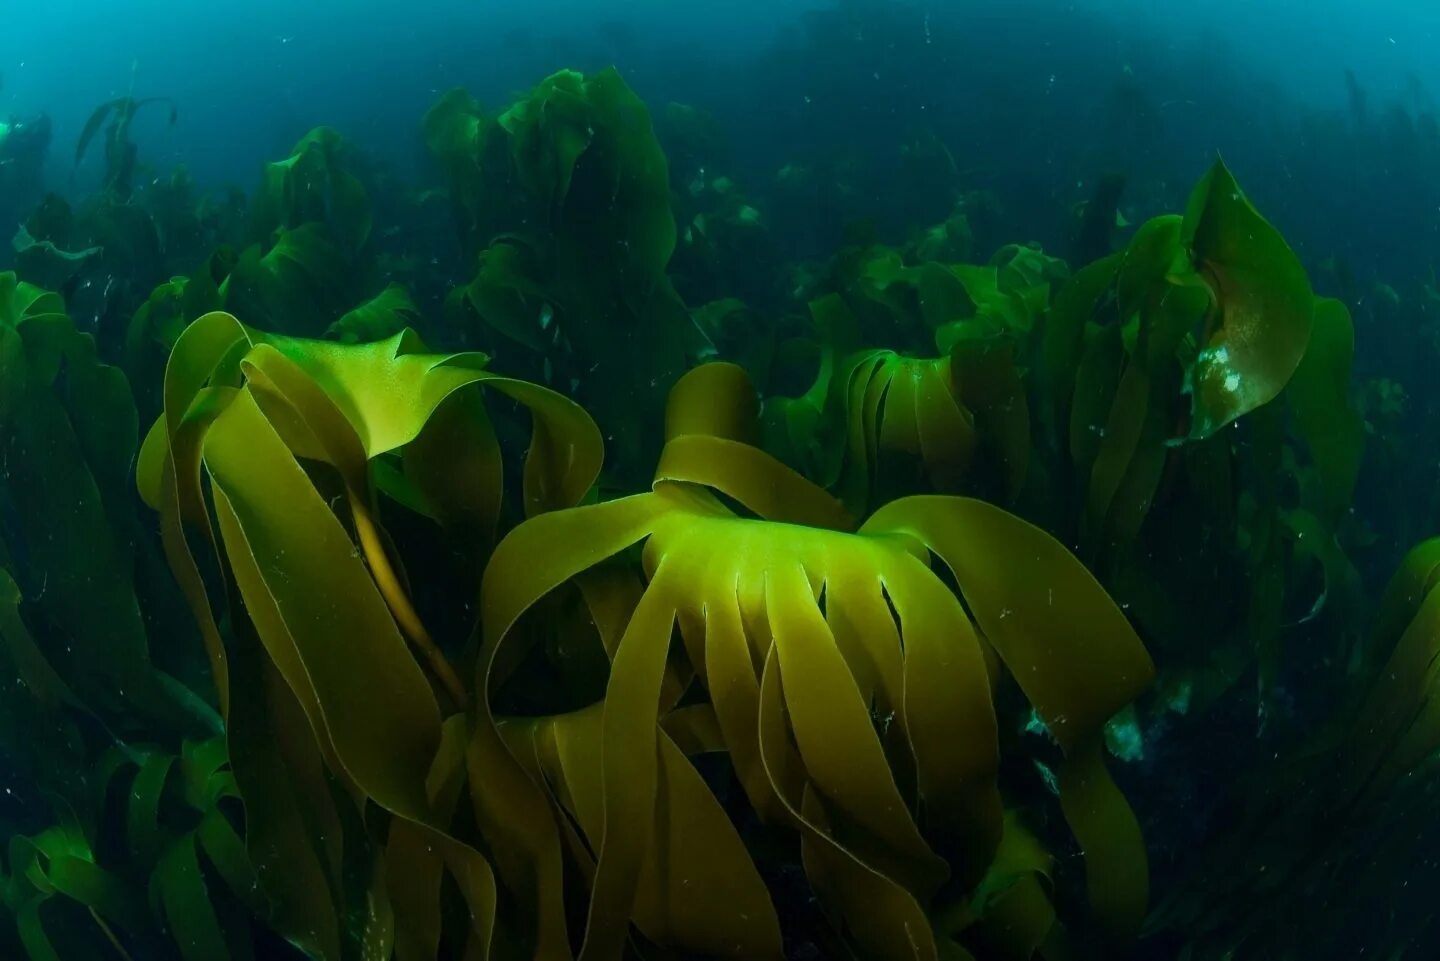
x: 878, y: 605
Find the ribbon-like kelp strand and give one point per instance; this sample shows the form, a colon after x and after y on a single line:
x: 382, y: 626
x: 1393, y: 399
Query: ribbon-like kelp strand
x: 753, y: 478
x: 945, y: 426
x: 375, y: 701
x: 170, y: 466
x: 1071, y: 651
x: 40, y: 679
x: 697, y: 890
x: 630, y: 748
x: 883, y: 917
x: 629, y: 752
x: 292, y: 829
x: 862, y: 386
x: 716, y: 400
x: 67, y: 424
x: 843, y: 758
x: 313, y: 427
x: 532, y: 560
x: 381, y: 715
x: 1319, y: 394
x: 710, y: 419
x: 1063, y: 338
x: 1013, y: 915
x: 413, y: 868
x: 188, y: 910
x: 1411, y: 583
x: 947, y: 691
x: 1261, y: 302
x: 907, y: 405
x: 988, y: 383
x: 60, y: 861
x: 274, y: 633
x: 1410, y: 614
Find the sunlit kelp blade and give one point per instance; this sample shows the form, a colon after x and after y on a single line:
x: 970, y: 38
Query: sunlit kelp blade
x: 759, y: 596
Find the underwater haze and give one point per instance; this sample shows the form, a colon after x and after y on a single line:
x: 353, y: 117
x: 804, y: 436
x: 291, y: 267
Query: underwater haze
x: 872, y: 480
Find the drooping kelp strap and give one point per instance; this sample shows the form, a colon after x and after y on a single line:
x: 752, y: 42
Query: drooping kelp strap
x: 881, y: 915
x: 1400, y: 710
x: 383, y: 718
x: 1011, y: 914
x: 374, y: 701
x: 710, y: 419
x: 345, y: 405
x: 1073, y: 654
x: 835, y: 736
x: 1319, y: 396
x: 513, y: 811
x: 752, y: 478
x: 988, y: 383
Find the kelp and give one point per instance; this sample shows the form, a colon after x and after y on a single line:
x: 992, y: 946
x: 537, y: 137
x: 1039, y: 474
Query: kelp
x: 724, y: 248
x: 954, y: 423
x: 1348, y: 803
x: 590, y: 258
x: 247, y: 410
x: 850, y: 688
x: 120, y: 152
x: 163, y: 851
x: 67, y: 435
x: 1132, y: 398
x: 382, y: 316
x: 721, y: 717
x: 127, y: 786
x: 314, y: 185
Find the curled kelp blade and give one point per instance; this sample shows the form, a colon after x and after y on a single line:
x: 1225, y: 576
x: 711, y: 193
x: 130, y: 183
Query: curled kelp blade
x: 696, y: 889
x: 277, y: 527
x: 1261, y: 303
x: 253, y: 404
x: 1073, y: 654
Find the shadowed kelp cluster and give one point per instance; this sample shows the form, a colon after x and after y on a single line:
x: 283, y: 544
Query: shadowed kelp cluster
x: 534, y: 563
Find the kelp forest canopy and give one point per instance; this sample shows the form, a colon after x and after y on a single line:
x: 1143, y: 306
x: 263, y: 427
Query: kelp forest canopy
x: 554, y: 559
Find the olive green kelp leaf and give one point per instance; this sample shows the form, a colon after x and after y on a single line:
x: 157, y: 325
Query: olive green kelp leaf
x: 294, y: 283
x: 588, y: 282
x: 382, y: 316
x: 136, y: 816
x: 1129, y: 336
x: 509, y: 296
x: 1319, y: 394
x: 1260, y: 303
x: 315, y: 185
x: 67, y: 435
x: 120, y: 152
x: 473, y: 153
x: 802, y: 633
